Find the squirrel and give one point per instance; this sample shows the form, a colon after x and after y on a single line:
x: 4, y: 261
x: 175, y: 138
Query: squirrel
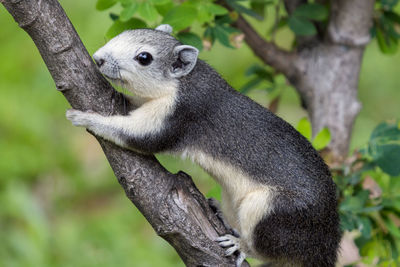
x: 277, y: 192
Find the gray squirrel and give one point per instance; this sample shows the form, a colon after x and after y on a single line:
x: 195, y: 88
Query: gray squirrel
x: 276, y: 190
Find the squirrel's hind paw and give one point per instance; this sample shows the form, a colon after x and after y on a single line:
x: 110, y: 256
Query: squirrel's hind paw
x: 232, y: 244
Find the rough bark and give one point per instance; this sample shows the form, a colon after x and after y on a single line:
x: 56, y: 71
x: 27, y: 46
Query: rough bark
x: 329, y: 72
x: 171, y: 203
x: 324, y: 71
x: 328, y: 85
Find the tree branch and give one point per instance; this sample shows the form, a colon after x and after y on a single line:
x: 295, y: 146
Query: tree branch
x: 283, y: 61
x: 171, y: 203
x: 350, y: 22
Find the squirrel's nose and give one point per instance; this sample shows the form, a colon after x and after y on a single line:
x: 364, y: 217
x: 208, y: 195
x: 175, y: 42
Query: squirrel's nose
x: 99, y: 60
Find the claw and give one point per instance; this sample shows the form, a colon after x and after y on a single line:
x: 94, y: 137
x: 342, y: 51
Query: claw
x: 227, y: 237
x: 225, y: 244
x: 231, y: 250
x: 240, y: 259
x: 222, y: 238
x: 233, y: 244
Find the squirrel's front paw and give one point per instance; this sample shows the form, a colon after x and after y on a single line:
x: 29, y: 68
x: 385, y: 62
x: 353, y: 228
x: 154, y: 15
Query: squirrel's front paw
x: 79, y: 118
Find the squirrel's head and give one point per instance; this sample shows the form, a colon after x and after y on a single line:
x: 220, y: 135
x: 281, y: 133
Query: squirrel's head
x: 145, y: 61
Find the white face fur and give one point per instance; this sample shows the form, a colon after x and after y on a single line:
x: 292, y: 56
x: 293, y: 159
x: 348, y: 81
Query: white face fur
x: 146, y: 62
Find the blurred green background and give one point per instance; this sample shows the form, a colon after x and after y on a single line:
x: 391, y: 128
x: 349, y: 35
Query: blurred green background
x: 60, y: 204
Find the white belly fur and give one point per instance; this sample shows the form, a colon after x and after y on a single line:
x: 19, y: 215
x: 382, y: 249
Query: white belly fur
x: 244, y: 201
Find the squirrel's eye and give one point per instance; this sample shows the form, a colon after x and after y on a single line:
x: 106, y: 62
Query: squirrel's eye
x: 144, y: 58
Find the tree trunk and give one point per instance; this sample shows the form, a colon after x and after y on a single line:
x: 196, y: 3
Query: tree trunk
x: 328, y: 73
x: 325, y: 68
x: 328, y: 86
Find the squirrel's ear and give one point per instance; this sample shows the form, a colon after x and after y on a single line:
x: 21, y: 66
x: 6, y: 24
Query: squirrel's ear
x: 164, y: 28
x: 185, y: 60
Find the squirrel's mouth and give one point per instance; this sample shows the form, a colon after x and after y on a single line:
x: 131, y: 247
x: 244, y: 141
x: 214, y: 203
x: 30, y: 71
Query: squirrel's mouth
x: 111, y: 77
x: 114, y: 79
x: 108, y: 66
x: 112, y: 74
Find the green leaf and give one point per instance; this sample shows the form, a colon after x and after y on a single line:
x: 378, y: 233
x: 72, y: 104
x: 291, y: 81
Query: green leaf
x: 384, y: 147
x: 365, y: 226
x: 243, y: 10
x: 207, y: 11
x: 394, y: 35
x: 253, y: 69
x: 283, y: 21
x: 387, y: 44
x: 148, y: 11
x: 370, y: 209
x: 389, y: 3
x: 393, y: 204
x: 394, y: 17
x: 395, y: 250
x: 260, y: 72
x: 128, y: 12
x: 105, y: 4
x: 391, y: 226
x: 301, y: 26
x: 351, y: 204
x: 389, y: 159
x: 216, y: 9
x: 203, y: 14
x: 209, y: 34
x: 250, y: 85
x: 304, y: 127
x: 165, y: 8
x: 352, y: 179
x: 160, y: 2
x: 227, y: 28
x: 190, y: 38
x: 259, y: 6
x: 222, y: 35
x: 264, y: 2
x: 114, y: 17
x: 348, y: 221
x: 387, y: 25
x: 355, y: 203
x: 118, y: 26
x: 299, y: 22
x: 125, y: 3
x: 322, y: 139
x: 311, y: 11
x: 180, y: 17
x: 385, y: 132
x: 224, y: 19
